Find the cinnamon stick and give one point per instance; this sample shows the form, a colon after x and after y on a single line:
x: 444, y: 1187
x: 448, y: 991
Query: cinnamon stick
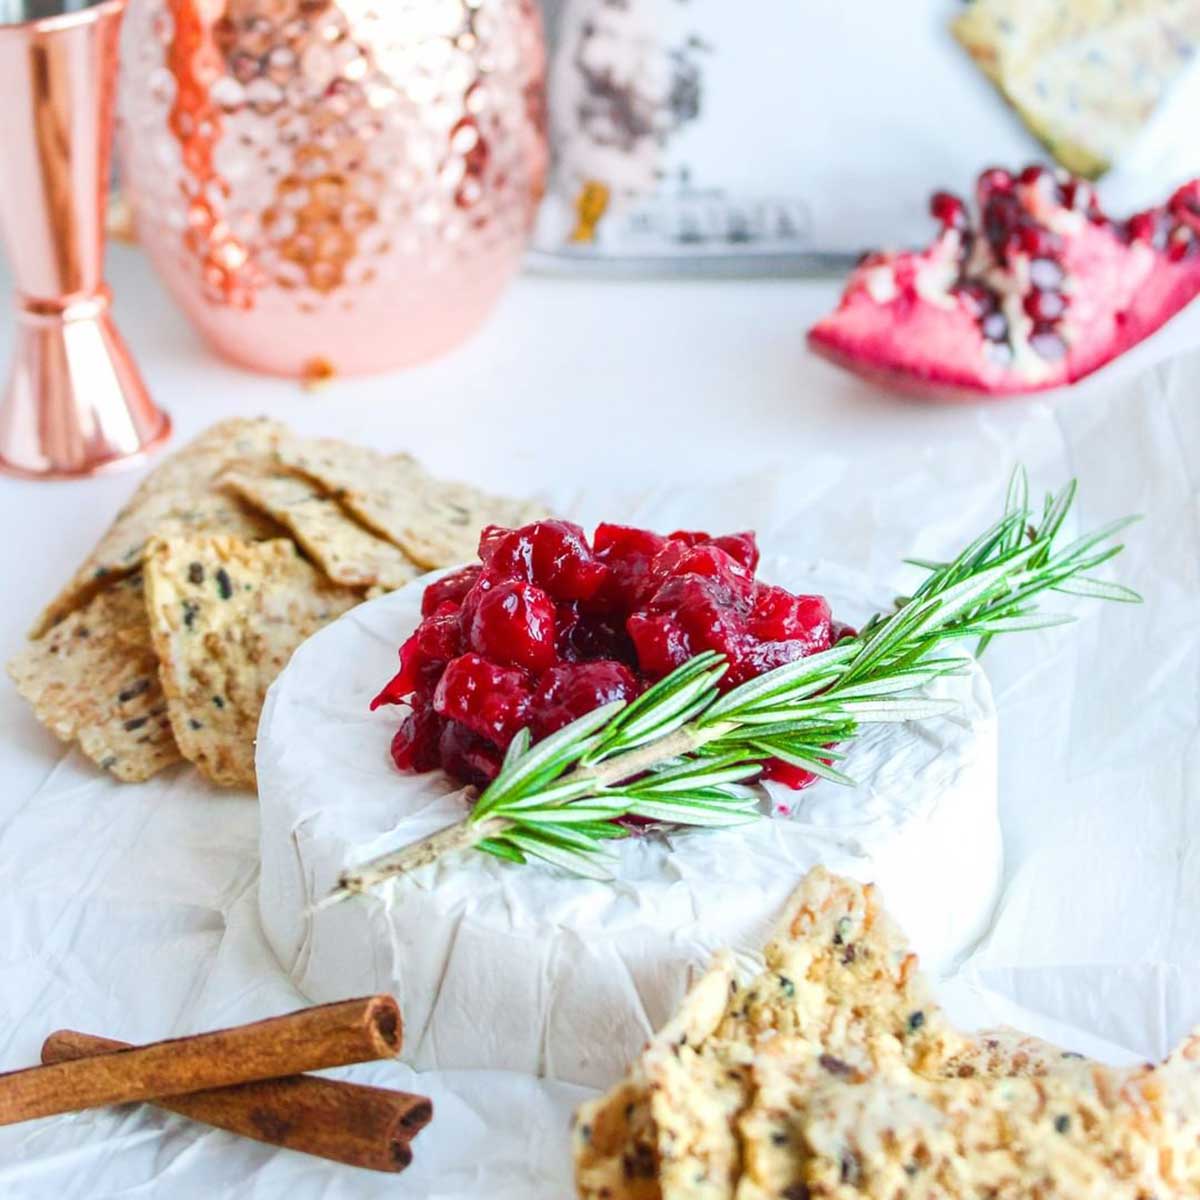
x: 330, y: 1035
x: 346, y: 1122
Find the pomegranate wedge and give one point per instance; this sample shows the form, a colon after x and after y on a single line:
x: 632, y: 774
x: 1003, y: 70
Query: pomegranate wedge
x: 1039, y: 290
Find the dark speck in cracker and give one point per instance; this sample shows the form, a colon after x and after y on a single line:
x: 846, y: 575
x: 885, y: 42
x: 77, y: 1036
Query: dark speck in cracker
x: 835, y: 1066
x: 190, y: 612
x: 133, y: 691
x: 196, y: 573
x: 915, y: 1021
x: 219, y: 701
x: 224, y: 584
x: 1062, y: 1123
x: 134, y: 723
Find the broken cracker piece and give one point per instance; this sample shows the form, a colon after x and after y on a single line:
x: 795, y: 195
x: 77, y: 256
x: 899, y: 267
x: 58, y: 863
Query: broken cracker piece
x: 832, y: 1074
x: 225, y: 617
x: 93, y: 680
x: 436, y: 523
x: 344, y: 550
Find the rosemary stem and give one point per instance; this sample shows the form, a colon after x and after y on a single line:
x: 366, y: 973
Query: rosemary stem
x: 468, y: 833
x: 684, y: 740
x: 464, y: 835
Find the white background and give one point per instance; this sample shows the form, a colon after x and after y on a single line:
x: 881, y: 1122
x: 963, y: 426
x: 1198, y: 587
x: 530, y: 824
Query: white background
x: 128, y: 911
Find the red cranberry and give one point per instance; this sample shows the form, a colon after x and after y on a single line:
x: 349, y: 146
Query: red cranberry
x: 514, y: 624
x: 689, y: 537
x: 779, y: 616
x: 450, y: 589
x: 794, y: 777
x: 705, y: 610
x: 1046, y: 273
x: 627, y: 553
x: 741, y: 546
x: 414, y: 676
x: 467, y: 756
x: 439, y: 637
x: 415, y: 746
x: 706, y: 560
x: 1045, y: 307
x: 583, y: 636
x: 948, y: 209
x: 660, y: 641
x: 553, y: 554
x: 490, y: 700
x: 484, y: 582
x: 570, y: 690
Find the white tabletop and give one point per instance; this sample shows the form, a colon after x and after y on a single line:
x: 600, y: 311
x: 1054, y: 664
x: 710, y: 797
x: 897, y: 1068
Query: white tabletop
x: 130, y: 912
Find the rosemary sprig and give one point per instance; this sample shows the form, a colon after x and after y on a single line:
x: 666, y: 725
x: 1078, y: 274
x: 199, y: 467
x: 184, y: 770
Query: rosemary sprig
x: 684, y: 753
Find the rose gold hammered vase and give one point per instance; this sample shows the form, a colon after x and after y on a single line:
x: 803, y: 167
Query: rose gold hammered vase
x: 333, y: 185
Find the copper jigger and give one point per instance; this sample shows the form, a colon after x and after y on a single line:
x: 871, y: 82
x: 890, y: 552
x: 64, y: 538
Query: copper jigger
x: 74, y: 403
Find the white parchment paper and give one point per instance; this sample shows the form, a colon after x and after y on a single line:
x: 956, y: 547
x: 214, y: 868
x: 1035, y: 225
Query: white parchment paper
x: 130, y: 910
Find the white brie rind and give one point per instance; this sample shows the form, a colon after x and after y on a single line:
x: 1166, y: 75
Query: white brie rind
x: 524, y: 968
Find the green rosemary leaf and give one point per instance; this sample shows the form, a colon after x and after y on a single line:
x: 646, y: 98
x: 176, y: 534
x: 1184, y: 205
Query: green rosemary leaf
x: 701, y: 776
x: 555, y: 793
x: 1099, y: 589
x: 516, y: 748
x: 501, y: 849
x: 568, y: 860
x: 1021, y: 624
x: 887, y: 711
x: 567, y: 814
x: 807, y: 762
x: 711, y: 816
x: 825, y: 665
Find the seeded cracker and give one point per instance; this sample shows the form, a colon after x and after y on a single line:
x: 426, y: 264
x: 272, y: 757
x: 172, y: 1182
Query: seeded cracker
x: 344, y: 550
x: 1085, y: 75
x: 178, y: 497
x: 436, y: 523
x: 93, y: 679
x: 833, y: 1075
x: 225, y: 617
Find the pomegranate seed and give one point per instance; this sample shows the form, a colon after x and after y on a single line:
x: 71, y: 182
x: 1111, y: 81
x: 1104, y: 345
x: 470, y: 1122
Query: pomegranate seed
x: 994, y: 179
x: 994, y: 327
x: 949, y: 210
x: 1143, y: 227
x: 1078, y: 195
x: 1180, y: 247
x: 1033, y: 175
x: 1047, y: 343
x: 1039, y: 242
x: 1045, y: 307
x: 1046, y: 273
x: 977, y: 299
